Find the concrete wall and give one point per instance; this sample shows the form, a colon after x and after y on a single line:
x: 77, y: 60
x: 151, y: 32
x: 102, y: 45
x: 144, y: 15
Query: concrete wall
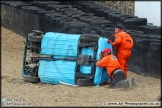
x: 150, y: 10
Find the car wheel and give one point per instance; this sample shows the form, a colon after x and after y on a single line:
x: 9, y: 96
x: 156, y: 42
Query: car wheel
x: 36, y: 36
x: 90, y: 37
x: 85, y: 82
x: 31, y: 79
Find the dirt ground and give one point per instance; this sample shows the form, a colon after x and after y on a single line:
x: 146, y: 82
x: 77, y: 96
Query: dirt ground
x: 41, y: 94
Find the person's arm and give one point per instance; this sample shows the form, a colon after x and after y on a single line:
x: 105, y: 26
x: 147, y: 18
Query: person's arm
x: 101, y: 56
x: 117, y: 40
x: 102, y: 62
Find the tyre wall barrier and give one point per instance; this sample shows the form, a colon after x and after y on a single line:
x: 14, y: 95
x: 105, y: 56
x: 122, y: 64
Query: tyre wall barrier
x: 146, y: 57
x: 78, y: 17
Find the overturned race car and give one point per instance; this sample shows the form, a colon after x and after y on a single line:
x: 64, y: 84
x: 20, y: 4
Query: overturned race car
x: 56, y: 58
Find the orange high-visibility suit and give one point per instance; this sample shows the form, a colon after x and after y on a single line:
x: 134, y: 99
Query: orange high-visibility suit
x: 110, y: 62
x: 124, y: 44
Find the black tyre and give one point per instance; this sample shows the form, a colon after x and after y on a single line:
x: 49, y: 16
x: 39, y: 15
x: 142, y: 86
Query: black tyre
x: 88, y: 5
x: 145, y: 42
x: 35, y: 37
x: 31, y: 79
x: 94, y: 32
x: 67, y: 24
x: 83, y: 19
x: 100, y: 11
x: 94, y: 18
x: 34, y: 10
x: 44, y: 4
x: 117, y: 16
x: 155, y: 45
x: 42, y: 13
x: 94, y: 8
x: 126, y: 17
x: 105, y: 33
x: 90, y: 37
x: 134, y: 31
x: 109, y: 28
x: 99, y: 22
x: 81, y: 2
x: 86, y: 32
x: 50, y: 7
x: 74, y: 14
x: 151, y: 29
x: 106, y: 12
x: 108, y: 33
x: 107, y: 25
x: 25, y: 8
x: 3, y: 2
x: 18, y: 6
x: 84, y: 15
x: 149, y: 36
x: 9, y: 2
x: 88, y: 29
x: 65, y: 9
x: 85, y: 82
x: 136, y: 21
x: 135, y: 36
x: 110, y: 15
x: 66, y: 20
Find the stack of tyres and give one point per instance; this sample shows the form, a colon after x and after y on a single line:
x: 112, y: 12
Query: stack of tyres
x: 67, y: 25
x: 6, y: 15
x: 17, y: 20
x: 3, y: 13
x: 155, y: 30
x: 12, y: 16
x: 58, y: 26
x: 77, y: 29
x: 47, y: 24
x: 17, y: 15
x: 55, y: 20
x: 42, y: 20
x: 141, y: 57
x: 154, y: 63
x: 33, y: 14
x: 30, y: 20
x: 62, y: 23
x: 10, y: 19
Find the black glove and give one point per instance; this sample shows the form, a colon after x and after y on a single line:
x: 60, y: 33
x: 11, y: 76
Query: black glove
x: 101, y: 55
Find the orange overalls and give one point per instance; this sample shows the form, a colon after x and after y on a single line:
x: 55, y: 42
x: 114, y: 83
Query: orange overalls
x: 124, y: 44
x: 110, y: 62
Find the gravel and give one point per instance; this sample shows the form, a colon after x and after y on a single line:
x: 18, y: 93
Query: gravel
x: 41, y: 94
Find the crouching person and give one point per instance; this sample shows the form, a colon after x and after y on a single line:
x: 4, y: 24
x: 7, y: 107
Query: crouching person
x: 117, y: 76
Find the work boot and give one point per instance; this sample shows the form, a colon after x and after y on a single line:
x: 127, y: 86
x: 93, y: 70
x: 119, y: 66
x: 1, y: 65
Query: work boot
x: 134, y: 82
x: 158, y: 98
x: 126, y: 84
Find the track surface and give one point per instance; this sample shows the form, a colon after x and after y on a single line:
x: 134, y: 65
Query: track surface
x: 13, y: 87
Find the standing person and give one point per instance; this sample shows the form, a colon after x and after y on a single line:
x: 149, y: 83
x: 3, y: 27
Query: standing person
x: 123, y: 43
x: 117, y: 76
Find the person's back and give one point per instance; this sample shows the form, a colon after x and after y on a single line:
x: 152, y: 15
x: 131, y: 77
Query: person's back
x: 110, y: 62
x: 126, y: 41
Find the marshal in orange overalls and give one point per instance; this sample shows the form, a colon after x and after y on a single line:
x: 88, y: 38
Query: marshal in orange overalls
x: 123, y: 43
x: 110, y: 62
